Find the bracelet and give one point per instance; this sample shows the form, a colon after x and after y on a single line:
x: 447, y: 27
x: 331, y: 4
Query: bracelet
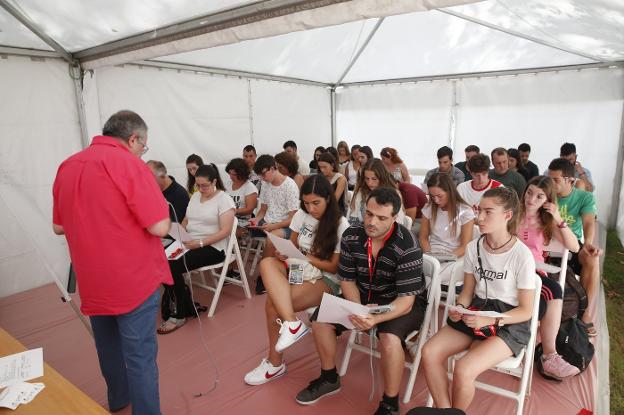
x: 461, y: 305
x: 201, y: 243
x: 562, y: 225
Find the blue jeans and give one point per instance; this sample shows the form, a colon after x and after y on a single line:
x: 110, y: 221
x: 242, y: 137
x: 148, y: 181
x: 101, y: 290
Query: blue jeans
x: 127, y: 348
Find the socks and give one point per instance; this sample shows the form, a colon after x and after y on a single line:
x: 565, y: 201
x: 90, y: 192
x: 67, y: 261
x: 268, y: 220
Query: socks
x: 330, y: 375
x: 393, y: 401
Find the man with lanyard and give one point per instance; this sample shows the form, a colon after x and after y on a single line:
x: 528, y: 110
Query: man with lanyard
x: 112, y: 213
x: 578, y: 210
x: 380, y: 263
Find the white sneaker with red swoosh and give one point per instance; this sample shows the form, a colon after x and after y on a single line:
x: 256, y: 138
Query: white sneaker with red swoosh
x: 290, y: 332
x: 264, y: 373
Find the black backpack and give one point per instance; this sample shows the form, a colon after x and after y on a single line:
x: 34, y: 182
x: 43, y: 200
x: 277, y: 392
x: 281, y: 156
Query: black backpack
x: 572, y: 344
x: 574, y: 296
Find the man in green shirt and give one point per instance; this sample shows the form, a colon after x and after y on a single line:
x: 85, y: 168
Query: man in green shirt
x: 578, y: 209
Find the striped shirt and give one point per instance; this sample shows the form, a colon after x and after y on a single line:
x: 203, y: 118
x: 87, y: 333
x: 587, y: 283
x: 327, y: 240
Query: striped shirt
x: 398, y: 271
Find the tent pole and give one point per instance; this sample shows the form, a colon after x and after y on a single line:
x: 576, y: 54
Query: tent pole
x: 250, y: 111
x: 522, y: 35
x: 77, y: 74
x: 453, y: 117
x: 13, y: 11
x: 617, y: 184
x: 332, y: 103
x: 360, y: 51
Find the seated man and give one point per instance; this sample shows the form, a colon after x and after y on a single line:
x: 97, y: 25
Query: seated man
x: 472, y: 190
x: 578, y: 208
x: 386, y: 249
x: 469, y: 151
x: 249, y: 155
x: 279, y: 201
x: 173, y: 192
x: 445, y: 165
x: 529, y: 166
x: 585, y: 182
x: 291, y: 148
x: 504, y: 174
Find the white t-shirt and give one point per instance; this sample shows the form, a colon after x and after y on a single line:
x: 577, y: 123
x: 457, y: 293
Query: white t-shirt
x: 305, y: 225
x: 304, y: 166
x: 279, y: 200
x: 238, y: 196
x: 352, y: 172
x: 471, y: 195
x: 440, y: 237
x: 505, y: 273
x: 203, y: 218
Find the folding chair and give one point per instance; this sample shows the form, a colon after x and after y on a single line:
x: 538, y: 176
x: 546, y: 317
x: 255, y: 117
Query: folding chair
x: 557, y: 250
x: 415, y: 340
x: 232, y: 254
x: 520, y: 366
x: 259, y: 242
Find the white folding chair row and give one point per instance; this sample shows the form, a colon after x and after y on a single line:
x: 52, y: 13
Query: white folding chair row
x: 232, y: 253
x: 520, y: 366
x: 415, y: 340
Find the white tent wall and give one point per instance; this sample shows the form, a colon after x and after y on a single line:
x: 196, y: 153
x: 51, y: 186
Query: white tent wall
x: 39, y: 129
x: 545, y: 109
x: 213, y: 116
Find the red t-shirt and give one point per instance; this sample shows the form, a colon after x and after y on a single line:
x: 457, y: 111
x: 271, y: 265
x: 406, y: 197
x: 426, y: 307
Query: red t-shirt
x: 105, y: 197
x: 413, y: 196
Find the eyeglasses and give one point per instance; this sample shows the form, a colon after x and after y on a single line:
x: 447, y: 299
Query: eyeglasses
x: 145, y: 147
x: 203, y: 186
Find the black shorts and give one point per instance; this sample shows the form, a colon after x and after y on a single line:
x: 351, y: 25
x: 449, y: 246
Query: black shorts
x: 516, y: 336
x: 400, y: 326
x: 573, y: 260
x: 551, y: 290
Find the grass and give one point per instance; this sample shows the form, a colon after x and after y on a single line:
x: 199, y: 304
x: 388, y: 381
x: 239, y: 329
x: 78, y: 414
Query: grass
x: 613, y: 274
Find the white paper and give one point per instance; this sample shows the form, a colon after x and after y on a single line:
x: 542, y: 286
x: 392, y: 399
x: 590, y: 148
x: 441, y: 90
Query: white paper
x: 19, y: 393
x: 173, y: 247
x: 21, y: 366
x: 337, y: 310
x: 286, y: 247
x: 178, y: 233
x: 479, y: 313
x: 547, y: 267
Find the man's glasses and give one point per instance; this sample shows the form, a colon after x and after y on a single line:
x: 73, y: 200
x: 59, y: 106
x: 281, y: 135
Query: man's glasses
x: 145, y: 147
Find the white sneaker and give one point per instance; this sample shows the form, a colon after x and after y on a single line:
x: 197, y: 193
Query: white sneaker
x: 264, y: 373
x: 290, y: 332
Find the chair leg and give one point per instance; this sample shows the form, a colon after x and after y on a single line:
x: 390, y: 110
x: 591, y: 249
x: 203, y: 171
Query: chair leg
x: 215, y: 299
x: 347, y: 354
x: 257, y: 256
x: 241, y: 270
x: 413, y: 368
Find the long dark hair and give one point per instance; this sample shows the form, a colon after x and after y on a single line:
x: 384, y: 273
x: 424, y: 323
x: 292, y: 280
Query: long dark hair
x: 210, y: 172
x: 190, y: 182
x: 384, y: 176
x: 326, y: 237
x: 446, y: 184
x: 547, y: 223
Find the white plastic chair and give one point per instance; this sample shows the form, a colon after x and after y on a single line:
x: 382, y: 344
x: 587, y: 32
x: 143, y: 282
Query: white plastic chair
x: 232, y: 253
x: 259, y: 242
x: 520, y: 366
x: 557, y: 250
x: 431, y: 267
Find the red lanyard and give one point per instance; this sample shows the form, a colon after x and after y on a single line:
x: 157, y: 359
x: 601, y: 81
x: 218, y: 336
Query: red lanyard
x: 372, y: 266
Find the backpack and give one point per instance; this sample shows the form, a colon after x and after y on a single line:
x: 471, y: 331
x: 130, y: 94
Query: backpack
x: 168, y: 305
x: 574, y: 296
x: 572, y: 344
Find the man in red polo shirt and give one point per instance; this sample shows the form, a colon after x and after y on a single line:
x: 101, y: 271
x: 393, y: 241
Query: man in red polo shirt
x: 112, y: 213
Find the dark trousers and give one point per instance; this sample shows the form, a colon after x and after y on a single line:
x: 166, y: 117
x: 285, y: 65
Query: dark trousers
x: 127, y: 348
x: 179, y: 293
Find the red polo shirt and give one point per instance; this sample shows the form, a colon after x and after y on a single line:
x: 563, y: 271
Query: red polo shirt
x: 105, y: 197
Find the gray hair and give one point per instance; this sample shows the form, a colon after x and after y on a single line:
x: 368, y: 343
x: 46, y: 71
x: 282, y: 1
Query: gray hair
x: 123, y: 124
x: 158, y: 167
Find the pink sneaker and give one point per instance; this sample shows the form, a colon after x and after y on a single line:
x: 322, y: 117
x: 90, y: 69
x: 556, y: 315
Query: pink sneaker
x: 554, y: 366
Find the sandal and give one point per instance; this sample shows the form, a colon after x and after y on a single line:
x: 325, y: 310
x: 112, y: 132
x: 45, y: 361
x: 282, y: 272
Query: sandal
x: 590, y: 330
x: 170, y: 325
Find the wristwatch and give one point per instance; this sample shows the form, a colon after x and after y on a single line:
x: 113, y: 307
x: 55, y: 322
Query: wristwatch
x: 498, y: 322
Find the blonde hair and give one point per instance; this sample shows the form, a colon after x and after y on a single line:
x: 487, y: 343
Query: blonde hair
x: 508, y: 199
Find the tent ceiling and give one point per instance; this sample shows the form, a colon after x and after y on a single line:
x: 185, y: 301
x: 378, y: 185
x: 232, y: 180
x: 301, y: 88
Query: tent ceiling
x: 71, y: 22
x: 15, y: 34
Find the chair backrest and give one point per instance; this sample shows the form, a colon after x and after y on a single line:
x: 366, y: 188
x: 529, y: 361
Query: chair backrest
x: 556, y: 249
x: 407, y: 222
x: 231, y: 241
x: 431, y: 267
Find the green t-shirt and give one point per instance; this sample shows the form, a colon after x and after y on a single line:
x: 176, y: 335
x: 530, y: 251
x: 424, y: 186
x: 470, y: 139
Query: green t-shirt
x: 574, y: 206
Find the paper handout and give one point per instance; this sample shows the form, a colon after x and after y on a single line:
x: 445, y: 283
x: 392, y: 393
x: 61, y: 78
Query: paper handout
x: 19, y: 393
x: 337, y: 310
x: 178, y: 233
x: 21, y: 367
x: 175, y: 251
x: 479, y: 313
x: 286, y: 247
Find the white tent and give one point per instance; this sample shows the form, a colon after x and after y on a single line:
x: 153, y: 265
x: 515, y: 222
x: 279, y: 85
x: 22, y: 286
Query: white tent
x: 211, y: 77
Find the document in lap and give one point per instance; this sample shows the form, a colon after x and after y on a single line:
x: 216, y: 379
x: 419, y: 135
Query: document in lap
x: 337, y: 310
x: 286, y: 247
x: 492, y: 314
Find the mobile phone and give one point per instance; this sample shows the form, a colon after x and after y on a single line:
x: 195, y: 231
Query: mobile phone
x: 380, y: 309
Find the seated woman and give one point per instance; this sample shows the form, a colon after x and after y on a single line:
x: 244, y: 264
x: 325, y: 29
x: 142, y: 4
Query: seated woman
x: 447, y: 223
x: 289, y: 166
x: 488, y: 340
x: 314, y: 163
x: 316, y: 229
x: 353, y: 167
x: 365, y: 154
x: 372, y: 175
x: 395, y: 165
x: 344, y: 156
x: 209, y: 220
x: 541, y: 222
x: 242, y: 191
x: 328, y: 167
x: 193, y: 162
x: 515, y: 163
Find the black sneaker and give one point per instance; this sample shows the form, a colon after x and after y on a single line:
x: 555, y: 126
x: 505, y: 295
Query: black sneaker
x: 260, y: 286
x: 317, y: 389
x: 385, y: 409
